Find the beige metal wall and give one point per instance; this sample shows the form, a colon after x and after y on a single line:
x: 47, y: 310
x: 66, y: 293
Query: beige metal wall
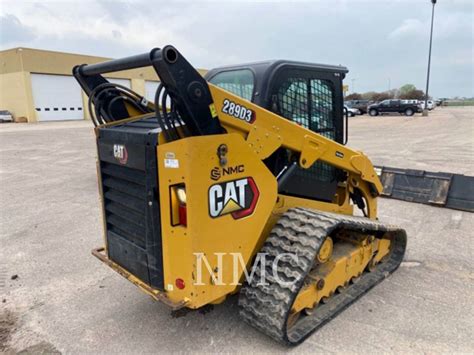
x: 15, y: 95
x: 17, y: 64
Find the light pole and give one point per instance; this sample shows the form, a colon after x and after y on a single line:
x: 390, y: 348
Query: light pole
x: 425, y: 108
x: 353, y: 85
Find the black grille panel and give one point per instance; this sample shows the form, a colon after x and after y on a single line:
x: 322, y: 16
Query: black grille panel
x: 125, y: 202
x: 130, y: 198
x: 136, y: 176
x: 128, y: 215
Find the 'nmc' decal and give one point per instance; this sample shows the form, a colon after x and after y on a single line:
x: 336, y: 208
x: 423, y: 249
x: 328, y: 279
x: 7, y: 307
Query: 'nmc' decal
x: 237, y: 197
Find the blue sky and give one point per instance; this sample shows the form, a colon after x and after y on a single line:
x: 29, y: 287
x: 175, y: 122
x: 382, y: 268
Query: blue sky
x: 382, y: 42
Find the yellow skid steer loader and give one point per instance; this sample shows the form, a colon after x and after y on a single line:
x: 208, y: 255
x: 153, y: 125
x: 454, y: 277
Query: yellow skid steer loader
x: 239, y: 182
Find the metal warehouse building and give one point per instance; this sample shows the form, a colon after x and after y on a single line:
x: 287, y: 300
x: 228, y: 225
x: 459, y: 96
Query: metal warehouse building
x: 37, y: 85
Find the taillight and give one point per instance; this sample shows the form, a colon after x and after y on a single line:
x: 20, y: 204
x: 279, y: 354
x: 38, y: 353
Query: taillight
x: 181, y: 194
x: 178, y: 205
x: 180, y: 284
x: 182, y: 214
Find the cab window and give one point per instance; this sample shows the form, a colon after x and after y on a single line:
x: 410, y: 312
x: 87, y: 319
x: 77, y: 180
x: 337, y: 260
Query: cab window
x: 239, y: 82
x: 293, y: 100
x: 322, y: 108
x: 308, y: 102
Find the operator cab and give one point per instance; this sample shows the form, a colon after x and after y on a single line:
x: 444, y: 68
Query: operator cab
x: 307, y: 94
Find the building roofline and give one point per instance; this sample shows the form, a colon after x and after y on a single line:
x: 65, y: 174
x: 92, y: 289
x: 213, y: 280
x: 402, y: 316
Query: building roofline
x: 51, y: 51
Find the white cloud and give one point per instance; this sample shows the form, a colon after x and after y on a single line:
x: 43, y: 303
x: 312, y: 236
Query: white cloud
x: 409, y: 27
x: 352, y: 33
x: 450, y: 25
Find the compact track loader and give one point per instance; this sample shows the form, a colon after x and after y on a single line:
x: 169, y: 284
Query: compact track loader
x: 239, y: 182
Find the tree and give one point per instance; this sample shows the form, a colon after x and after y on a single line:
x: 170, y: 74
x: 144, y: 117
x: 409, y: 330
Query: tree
x: 380, y: 96
x: 369, y: 95
x: 413, y: 95
x: 354, y: 96
x: 405, y: 89
x: 394, y: 93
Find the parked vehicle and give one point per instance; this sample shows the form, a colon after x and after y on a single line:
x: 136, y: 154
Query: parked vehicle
x: 389, y: 106
x: 430, y: 104
x: 6, y: 116
x: 352, y: 111
x: 359, y: 104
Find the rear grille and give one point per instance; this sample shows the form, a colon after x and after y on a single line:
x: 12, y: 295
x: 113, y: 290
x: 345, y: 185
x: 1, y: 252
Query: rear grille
x: 125, y: 202
x: 130, y: 198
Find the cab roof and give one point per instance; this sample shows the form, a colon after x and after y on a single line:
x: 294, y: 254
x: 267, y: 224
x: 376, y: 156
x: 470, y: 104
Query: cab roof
x: 265, y: 72
x: 265, y: 69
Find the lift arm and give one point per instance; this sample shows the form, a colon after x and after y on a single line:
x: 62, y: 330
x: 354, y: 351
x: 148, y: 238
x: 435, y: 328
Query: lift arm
x: 208, y: 109
x: 266, y: 131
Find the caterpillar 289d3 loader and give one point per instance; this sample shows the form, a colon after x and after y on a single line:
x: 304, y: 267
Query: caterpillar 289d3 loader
x: 239, y: 182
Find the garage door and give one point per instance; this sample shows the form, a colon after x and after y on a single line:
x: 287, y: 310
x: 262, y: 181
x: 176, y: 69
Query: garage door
x: 123, y: 82
x: 150, y: 89
x: 56, y: 97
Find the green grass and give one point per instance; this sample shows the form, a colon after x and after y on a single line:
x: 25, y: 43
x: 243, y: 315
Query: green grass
x: 460, y: 103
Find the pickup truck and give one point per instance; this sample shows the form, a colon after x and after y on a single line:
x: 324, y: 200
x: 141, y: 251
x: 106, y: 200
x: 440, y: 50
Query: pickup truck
x: 391, y: 106
x: 361, y: 105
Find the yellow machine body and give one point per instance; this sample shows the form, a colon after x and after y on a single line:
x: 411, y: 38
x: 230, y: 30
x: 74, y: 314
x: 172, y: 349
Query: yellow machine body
x: 220, y: 206
x: 218, y: 238
x: 203, y: 234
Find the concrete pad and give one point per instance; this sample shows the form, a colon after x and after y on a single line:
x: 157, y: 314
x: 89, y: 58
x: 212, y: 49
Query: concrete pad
x: 442, y: 141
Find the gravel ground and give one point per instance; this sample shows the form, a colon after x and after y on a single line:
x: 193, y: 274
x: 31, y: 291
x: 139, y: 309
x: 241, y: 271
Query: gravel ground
x: 55, y: 297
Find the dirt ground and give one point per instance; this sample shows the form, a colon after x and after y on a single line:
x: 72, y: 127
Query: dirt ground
x: 56, y: 297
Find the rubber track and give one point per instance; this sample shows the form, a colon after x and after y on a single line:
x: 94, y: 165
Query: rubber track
x: 302, y: 232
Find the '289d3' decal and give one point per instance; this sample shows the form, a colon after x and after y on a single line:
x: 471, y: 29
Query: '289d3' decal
x: 236, y: 197
x: 238, y: 111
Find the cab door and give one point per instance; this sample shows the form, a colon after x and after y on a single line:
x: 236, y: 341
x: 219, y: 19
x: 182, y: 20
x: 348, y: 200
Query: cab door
x: 313, y: 99
x: 394, y: 105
